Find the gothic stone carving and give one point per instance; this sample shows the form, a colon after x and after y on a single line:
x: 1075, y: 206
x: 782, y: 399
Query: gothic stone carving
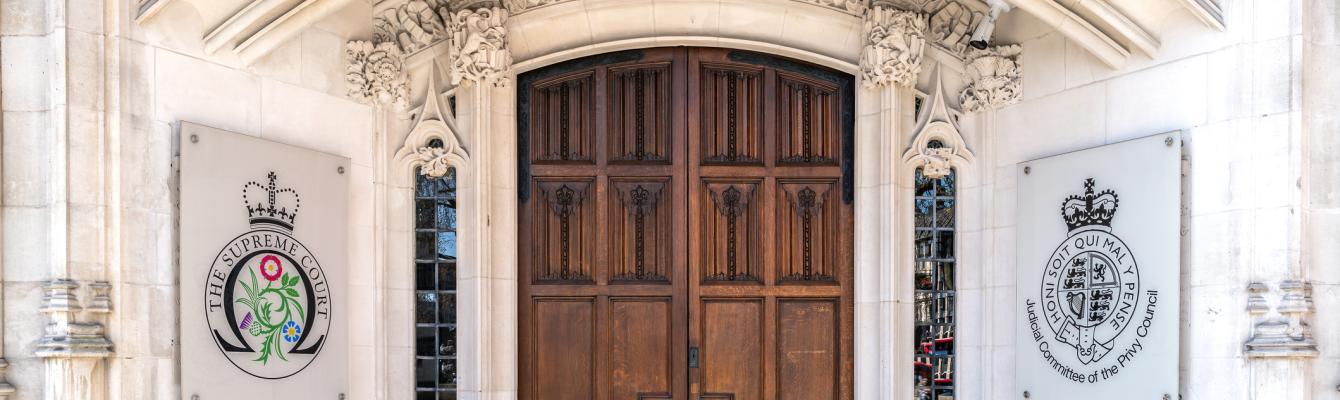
x: 479, y: 46
x: 937, y: 145
x: 412, y: 26
x: 520, y: 6
x: 951, y: 21
x: 375, y: 73
x: 993, y: 77
x: 1284, y: 333
x: 854, y: 7
x: 894, y: 43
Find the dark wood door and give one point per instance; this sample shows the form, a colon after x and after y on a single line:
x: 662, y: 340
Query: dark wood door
x: 685, y: 228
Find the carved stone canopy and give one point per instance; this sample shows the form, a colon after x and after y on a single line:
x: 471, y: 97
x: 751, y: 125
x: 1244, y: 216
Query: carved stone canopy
x: 937, y: 145
x: 433, y: 145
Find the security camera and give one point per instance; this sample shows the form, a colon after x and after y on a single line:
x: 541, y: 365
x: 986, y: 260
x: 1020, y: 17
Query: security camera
x: 982, y: 36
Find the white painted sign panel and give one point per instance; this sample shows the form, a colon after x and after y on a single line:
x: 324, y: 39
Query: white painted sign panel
x: 263, y: 262
x: 1099, y: 271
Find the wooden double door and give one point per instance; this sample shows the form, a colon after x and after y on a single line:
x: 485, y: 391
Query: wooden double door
x: 685, y: 228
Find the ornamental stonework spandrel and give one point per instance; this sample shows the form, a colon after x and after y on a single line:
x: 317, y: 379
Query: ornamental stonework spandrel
x: 434, y: 161
x: 412, y: 26
x: 854, y: 7
x: 993, y: 78
x: 894, y: 42
x: 375, y: 73
x: 479, y: 46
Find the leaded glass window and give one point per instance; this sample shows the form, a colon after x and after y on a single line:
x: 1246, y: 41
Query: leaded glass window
x: 435, y: 287
x: 934, y: 291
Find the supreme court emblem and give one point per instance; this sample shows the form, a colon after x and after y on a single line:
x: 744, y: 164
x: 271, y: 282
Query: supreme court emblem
x: 267, y: 302
x: 1091, y: 283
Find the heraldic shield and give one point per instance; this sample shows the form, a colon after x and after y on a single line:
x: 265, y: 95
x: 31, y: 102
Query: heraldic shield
x: 1091, y: 283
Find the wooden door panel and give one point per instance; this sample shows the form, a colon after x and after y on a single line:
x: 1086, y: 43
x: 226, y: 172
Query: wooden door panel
x: 732, y: 347
x: 683, y: 198
x: 729, y: 231
x: 641, y: 103
x: 563, y: 346
x: 642, y: 335
x: 730, y: 112
x: 771, y: 231
x: 808, y: 349
x: 641, y: 230
x: 563, y: 230
x: 807, y: 231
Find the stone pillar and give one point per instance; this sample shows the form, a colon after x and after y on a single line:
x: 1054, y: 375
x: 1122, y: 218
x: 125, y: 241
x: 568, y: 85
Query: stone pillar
x: 890, y: 63
x: 486, y: 103
x: 1320, y: 183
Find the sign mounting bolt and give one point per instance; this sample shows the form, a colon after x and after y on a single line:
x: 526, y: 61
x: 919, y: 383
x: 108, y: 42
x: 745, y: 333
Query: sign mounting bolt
x: 340, y: 169
x: 195, y: 138
x: 1026, y: 394
x: 1169, y: 142
x: 1027, y: 170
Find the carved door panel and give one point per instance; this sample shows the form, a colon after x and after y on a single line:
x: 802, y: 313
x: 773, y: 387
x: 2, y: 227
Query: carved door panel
x: 770, y: 230
x: 601, y: 262
x: 677, y: 199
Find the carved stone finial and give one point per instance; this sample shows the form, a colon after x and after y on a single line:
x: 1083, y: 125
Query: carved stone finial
x: 412, y: 26
x: 894, y: 41
x: 1286, y: 333
x: 479, y: 46
x: 993, y: 78
x: 375, y: 73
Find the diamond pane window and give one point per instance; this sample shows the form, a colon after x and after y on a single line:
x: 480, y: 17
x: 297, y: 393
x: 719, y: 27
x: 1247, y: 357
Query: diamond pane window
x: 435, y: 287
x: 934, y: 287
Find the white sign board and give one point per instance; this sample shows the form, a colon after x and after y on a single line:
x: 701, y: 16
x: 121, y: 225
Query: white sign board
x: 263, y: 244
x: 1098, y: 272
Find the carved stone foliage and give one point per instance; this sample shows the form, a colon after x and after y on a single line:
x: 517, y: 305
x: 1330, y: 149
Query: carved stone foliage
x: 375, y: 74
x: 855, y: 7
x: 412, y: 26
x: 520, y: 6
x: 479, y: 46
x: 993, y: 78
x: 894, y: 41
x: 951, y: 21
x: 1285, y: 332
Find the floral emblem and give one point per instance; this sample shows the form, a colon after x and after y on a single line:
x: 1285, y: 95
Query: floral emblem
x: 291, y: 331
x: 274, y: 306
x: 271, y: 268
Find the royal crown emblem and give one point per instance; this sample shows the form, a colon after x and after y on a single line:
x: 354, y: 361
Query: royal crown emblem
x: 1090, y: 209
x: 268, y: 205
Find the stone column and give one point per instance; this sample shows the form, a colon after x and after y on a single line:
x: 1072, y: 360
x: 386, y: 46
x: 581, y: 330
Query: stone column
x: 481, y: 67
x: 890, y: 63
x: 1320, y: 183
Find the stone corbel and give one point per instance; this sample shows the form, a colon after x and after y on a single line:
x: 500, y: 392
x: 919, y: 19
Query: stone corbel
x: 993, y: 78
x: 375, y: 73
x: 65, y: 336
x: 479, y: 51
x: 1284, y: 333
x: 894, y: 42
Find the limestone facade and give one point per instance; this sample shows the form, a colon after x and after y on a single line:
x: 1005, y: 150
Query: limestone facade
x: 91, y: 93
